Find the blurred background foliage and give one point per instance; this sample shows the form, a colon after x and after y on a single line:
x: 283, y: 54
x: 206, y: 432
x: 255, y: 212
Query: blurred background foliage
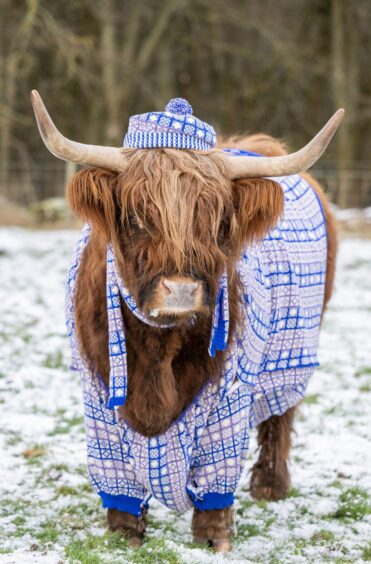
x: 245, y: 66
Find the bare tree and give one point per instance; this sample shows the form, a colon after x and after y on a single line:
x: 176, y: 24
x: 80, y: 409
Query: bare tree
x: 245, y: 66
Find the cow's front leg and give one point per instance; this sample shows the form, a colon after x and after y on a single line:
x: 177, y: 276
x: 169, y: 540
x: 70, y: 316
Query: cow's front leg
x: 270, y: 477
x: 130, y: 526
x: 214, y: 527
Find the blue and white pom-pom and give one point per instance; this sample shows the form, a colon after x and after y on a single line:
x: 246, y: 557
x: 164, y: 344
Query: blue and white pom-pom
x: 179, y: 106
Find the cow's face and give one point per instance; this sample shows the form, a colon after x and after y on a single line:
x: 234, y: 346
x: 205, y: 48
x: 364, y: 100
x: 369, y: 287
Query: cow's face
x: 176, y: 222
x: 178, y: 229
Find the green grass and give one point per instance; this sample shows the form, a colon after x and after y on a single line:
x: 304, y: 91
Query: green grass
x: 155, y: 551
x: 48, y: 534
x: 245, y: 504
x: 59, y: 430
x: 13, y: 439
x: 322, y: 537
x: 84, y: 551
x: 366, y: 553
x: 83, y: 509
x: 363, y: 370
x: 66, y: 425
x: 21, y: 510
x: 293, y: 492
x: 274, y: 556
x: 13, y: 506
x: 336, y: 484
x: 54, y: 360
x: 19, y: 520
x: 312, y: 399
x: 249, y: 530
x: 338, y: 410
x: 90, y: 549
x: 354, y: 505
x: 20, y: 532
x: 78, y: 552
x: 58, y: 467
x: 67, y: 490
x: 300, y: 545
x: 261, y: 503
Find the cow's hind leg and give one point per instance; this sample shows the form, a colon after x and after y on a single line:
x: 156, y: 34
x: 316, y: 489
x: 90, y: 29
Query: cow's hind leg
x: 130, y: 526
x: 270, y: 476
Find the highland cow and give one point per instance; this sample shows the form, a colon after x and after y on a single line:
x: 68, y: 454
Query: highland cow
x: 193, y: 307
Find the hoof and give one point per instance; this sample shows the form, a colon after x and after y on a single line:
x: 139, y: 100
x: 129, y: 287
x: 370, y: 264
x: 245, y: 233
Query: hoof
x: 218, y: 545
x: 214, y: 528
x: 222, y: 545
x: 134, y: 542
x: 132, y: 528
x: 269, y: 484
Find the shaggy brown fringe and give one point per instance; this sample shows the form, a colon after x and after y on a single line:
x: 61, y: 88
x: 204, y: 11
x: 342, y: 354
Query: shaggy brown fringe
x: 171, y: 212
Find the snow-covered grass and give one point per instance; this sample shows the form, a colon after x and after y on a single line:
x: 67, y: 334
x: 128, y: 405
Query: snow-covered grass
x: 48, y: 512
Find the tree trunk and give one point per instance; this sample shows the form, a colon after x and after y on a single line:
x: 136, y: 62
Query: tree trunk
x: 10, y: 65
x: 110, y: 82
x: 344, y: 85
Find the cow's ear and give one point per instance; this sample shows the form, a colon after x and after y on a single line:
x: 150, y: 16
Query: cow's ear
x: 259, y: 203
x: 91, y: 196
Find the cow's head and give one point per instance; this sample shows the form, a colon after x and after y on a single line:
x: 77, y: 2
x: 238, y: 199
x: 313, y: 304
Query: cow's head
x: 178, y: 221
x: 176, y: 218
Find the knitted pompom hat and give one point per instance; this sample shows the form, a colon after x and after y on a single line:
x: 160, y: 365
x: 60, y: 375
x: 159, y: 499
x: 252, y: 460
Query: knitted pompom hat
x: 175, y: 128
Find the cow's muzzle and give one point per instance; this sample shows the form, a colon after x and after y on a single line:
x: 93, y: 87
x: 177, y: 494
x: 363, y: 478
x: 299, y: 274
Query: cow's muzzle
x: 177, y: 295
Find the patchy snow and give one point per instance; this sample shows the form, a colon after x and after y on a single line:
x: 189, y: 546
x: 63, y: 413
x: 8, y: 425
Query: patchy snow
x: 350, y: 214
x: 48, y: 513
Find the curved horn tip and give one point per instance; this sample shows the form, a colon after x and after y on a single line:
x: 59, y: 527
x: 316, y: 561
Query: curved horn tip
x: 334, y: 122
x: 339, y: 114
x: 34, y: 95
x: 36, y: 101
x: 337, y: 118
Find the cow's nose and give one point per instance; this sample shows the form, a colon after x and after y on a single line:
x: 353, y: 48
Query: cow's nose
x: 180, y: 288
x: 179, y: 295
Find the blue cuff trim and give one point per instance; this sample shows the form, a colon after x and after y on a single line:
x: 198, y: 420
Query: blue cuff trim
x: 212, y: 500
x: 126, y: 503
x: 115, y: 402
x: 220, y: 336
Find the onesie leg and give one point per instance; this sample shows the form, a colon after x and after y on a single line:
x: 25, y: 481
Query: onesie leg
x: 270, y: 477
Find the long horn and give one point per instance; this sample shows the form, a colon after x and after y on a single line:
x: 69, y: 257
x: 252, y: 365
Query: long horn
x: 249, y: 167
x: 112, y: 158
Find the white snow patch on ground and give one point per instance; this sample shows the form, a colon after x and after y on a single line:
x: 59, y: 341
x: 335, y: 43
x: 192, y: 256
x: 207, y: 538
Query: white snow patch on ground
x: 48, y: 512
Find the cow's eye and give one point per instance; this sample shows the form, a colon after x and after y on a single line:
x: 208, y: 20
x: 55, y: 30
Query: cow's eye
x: 223, y: 231
x: 134, y: 221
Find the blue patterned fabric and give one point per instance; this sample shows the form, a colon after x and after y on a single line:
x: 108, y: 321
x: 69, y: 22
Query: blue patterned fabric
x: 175, y: 128
x: 267, y: 367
